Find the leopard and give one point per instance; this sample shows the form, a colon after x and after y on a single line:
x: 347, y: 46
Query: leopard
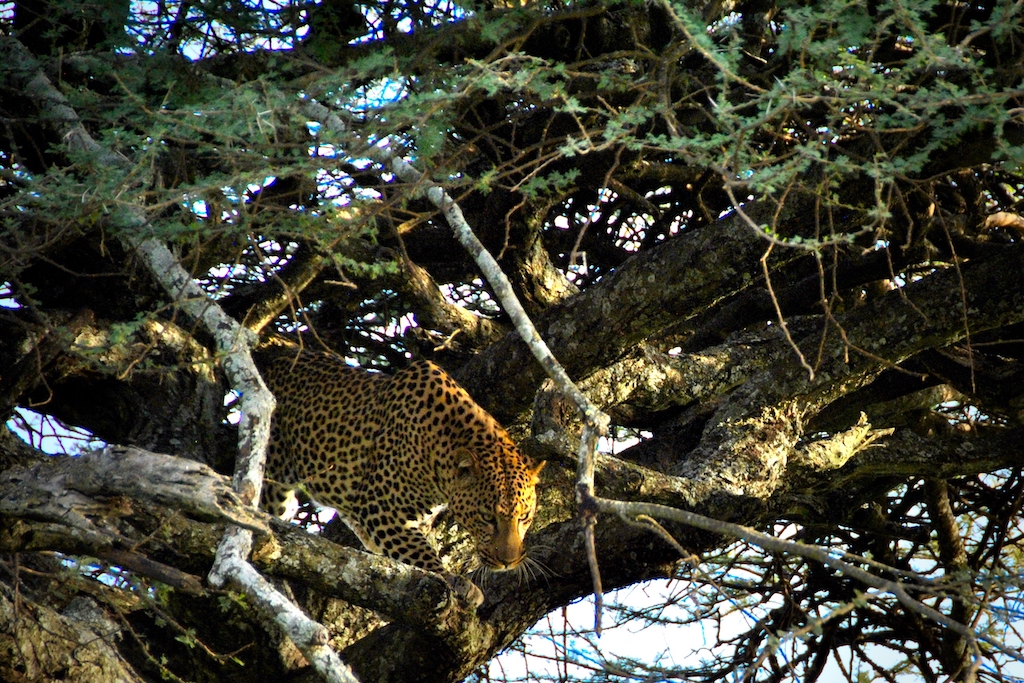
x: 390, y: 452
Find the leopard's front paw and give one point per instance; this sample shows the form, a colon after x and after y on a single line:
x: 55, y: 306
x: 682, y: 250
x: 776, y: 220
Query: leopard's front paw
x: 467, y: 591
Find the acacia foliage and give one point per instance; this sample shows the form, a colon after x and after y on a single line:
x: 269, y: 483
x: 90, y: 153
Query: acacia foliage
x: 764, y: 236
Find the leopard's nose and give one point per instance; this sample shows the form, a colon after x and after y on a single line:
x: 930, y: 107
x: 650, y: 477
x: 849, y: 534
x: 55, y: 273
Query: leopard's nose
x: 504, y: 550
x: 502, y: 565
x: 504, y: 554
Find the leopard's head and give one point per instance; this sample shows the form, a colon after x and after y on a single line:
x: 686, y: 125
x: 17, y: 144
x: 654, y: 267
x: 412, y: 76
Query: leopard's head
x: 495, y: 499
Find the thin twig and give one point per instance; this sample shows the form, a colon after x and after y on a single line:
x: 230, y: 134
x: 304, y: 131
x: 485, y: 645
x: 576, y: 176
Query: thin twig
x: 595, y: 572
x: 778, y: 313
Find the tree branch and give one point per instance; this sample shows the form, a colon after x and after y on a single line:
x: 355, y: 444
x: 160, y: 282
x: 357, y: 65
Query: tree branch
x: 65, y: 505
x: 443, y: 315
x: 52, y: 490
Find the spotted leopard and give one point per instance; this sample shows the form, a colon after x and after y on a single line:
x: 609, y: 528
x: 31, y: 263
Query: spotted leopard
x: 389, y: 453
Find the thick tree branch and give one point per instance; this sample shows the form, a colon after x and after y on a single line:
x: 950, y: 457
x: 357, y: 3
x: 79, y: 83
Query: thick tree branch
x: 442, y: 315
x: 764, y: 399
x: 76, y: 499
x: 757, y: 427
x: 67, y: 504
x: 745, y: 449
x: 51, y: 490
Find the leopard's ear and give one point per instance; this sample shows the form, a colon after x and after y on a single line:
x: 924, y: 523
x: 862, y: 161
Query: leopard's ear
x: 535, y: 472
x: 467, y: 465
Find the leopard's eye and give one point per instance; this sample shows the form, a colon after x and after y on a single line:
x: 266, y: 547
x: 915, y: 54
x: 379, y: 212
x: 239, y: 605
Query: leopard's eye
x: 489, y: 516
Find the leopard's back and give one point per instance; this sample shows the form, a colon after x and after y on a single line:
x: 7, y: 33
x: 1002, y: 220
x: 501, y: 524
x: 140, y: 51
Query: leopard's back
x: 322, y: 435
x: 389, y: 452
